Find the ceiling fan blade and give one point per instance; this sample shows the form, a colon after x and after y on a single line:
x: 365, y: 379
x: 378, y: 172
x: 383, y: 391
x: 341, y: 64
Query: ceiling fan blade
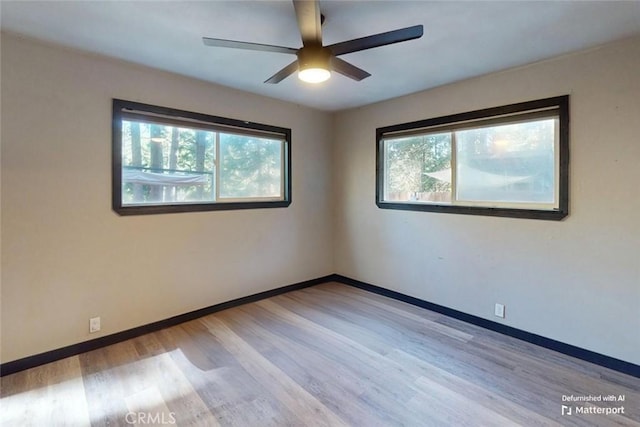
x: 246, y: 45
x: 284, y: 73
x: 309, y: 21
x: 376, y: 40
x: 346, y: 69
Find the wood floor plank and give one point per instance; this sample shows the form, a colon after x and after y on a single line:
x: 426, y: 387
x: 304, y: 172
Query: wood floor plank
x: 312, y: 366
x: 108, y: 378
x: 147, y: 406
x: 297, y: 399
x: 224, y: 387
x: 402, y: 310
x: 445, y: 404
x: 52, y: 392
x: 507, y: 408
x: 166, y: 391
x: 327, y: 355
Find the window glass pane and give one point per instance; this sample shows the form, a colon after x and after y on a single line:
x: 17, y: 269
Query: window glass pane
x: 170, y: 161
x: 164, y: 164
x: 507, y: 163
x: 418, y: 168
x: 250, y: 167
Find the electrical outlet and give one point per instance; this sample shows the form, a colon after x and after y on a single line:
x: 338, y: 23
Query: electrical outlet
x: 94, y: 324
x: 499, y: 311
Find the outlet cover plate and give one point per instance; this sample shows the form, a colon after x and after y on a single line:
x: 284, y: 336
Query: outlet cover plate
x: 94, y: 324
x: 499, y: 311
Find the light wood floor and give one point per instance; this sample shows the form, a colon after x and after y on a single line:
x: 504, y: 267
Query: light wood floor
x: 330, y: 355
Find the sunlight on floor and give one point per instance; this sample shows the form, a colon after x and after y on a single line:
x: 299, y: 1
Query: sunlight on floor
x: 44, y: 405
x: 141, y: 392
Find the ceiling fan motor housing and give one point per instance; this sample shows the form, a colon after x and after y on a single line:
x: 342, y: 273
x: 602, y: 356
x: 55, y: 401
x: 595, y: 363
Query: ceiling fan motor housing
x: 314, y: 56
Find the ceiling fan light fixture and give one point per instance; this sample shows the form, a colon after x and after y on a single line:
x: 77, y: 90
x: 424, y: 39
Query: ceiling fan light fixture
x: 314, y: 64
x: 314, y: 75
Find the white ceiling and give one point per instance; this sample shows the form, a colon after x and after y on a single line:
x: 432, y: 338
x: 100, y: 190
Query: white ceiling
x: 461, y: 40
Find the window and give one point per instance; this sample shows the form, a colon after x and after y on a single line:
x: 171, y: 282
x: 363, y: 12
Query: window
x: 167, y: 160
x: 503, y: 161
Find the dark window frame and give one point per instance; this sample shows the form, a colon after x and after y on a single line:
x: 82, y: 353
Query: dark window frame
x: 561, y: 103
x: 176, y: 116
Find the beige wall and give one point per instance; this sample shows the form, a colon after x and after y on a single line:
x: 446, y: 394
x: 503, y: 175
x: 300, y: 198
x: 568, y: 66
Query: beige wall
x: 67, y: 256
x: 576, y: 281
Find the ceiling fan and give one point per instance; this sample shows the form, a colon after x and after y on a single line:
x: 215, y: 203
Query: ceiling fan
x: 315, y: 61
